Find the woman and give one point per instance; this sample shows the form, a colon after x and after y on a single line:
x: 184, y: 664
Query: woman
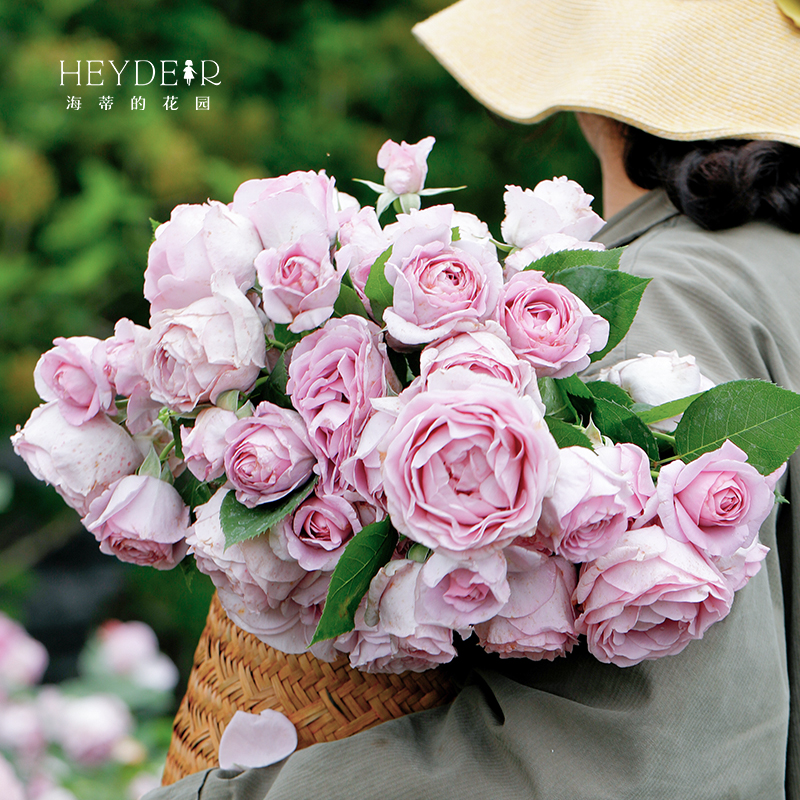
x: 715, y: 226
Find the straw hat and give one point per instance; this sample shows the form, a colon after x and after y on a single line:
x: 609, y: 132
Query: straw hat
x: 681, y: 69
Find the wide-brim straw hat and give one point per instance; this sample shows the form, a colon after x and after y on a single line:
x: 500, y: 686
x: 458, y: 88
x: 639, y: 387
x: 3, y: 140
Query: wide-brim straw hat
x: 680, y: 69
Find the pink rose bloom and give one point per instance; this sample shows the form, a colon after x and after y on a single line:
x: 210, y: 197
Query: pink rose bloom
x: 519, y: 260
x: 121, y: 362
x: 316, y: 534
x: 268, y: 455
x: 467, y: 473
x: 658, y: 379
x: 484, y: 354
x: 141, y: 520
x: 22, y: 732
x: 405, y: 165
x: 299, y: 283
x: 197, y: 353
x: 333, y: 375
x: 639, y: 492
x: 585, y: 514
x: 538, y: 621
x: 717, y: 502
x: 88, y: 728
x: 288, y: 207
x: 23, y: 660
x: 80, y: 462
x: 741, y: 565
x: 440, y: 286
x: 204, y: 444
x: 198, y: 241
x: 648, y: 597
x: 555, y: 206
x: 460, y: 594
x: 12, y: 786
x: 74, y: 374
x: 549, y: 326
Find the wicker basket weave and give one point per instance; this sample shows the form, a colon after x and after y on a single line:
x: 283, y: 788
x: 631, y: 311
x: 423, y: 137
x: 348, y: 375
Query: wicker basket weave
x: 235, y: 671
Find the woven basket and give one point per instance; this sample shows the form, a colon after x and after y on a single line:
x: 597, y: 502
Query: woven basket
x: 235, y: 671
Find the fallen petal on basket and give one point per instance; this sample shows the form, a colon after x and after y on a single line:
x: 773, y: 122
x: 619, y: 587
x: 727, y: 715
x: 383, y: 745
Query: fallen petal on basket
x: 256, y: 740
x: 377, y: 440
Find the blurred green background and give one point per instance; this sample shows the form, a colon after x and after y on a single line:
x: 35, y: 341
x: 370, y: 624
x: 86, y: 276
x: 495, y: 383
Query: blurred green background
x: 305, y: 84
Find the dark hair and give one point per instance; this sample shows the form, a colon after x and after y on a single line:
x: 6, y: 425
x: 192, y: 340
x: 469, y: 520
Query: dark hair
x: 719, y: 184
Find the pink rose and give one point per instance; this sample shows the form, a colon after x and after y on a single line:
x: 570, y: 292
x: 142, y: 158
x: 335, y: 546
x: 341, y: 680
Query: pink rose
x: 440, y: 286
x: 299, y: 283
x: 316, y: 534
x: 80, y: 462
x: 73, y: 373
x: 549, y: 326
x: 288, y: 207
x: 405, y: 165
x: 204, y: 444
x: 198, y: 241
x: 333, y: 375
x: 585, y: 514
x: 22, y: 732
x: 538, y: 621
x: 23, y: 660
x: 658, y: 379
x: 141, y: 520
x: 195, y: 354
x: 717, y: 502
x: 468, y: 472
x: 268, y: 455
x: 519, y: 260
x: 639, y: 491
x: 122, y: 364
x: 648, y: 597
x: 459, y: 594
x: 556, y: 206
x: 741, y: 565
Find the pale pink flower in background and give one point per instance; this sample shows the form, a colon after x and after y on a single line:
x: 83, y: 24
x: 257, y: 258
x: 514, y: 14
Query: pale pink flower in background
x: 518, y: 260
x: 21, y: 731
x: 316, y: 534
x: 143, y: 783
x: 549, y: 326
x: 141, y: 520
x: 268, y: 455
x: 334, y: 374
x: 459, y: 594
x: 204, y: 444
x: 405, y: 165
x: 299, y: 283
x: 554, y: 206
x: 81, y: 462
x: 468, y: 473
x: 288, y: 207
x: 195, y: 354
x: 717, y: 502
x: 657, y: 379
x: 648, y: 597
x: 23, y: 660
x: 638, y: 491
x: 538, y: 621
x: 256, y: 740
x: 12, y: 786
x: 73, y: 373
x: 439, y: 286
x: 198, y: 241
x: 585, y: 514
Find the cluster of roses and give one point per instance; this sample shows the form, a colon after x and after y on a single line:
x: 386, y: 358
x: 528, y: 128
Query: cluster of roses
x: 268, y: 369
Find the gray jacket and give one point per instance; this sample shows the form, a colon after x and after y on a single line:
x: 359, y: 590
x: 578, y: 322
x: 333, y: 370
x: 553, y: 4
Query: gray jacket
x: 711, y: 722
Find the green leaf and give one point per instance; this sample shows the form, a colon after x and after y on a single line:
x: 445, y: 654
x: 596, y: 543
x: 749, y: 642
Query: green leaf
x: 286, y: 337
x: 363, y: 556
x: 574, y: 387
x: 193, y: 491
x: 761, y: 418
x: 240, y: 523
x: 567, y: 435
x: 176, y: 436
x: 274, y: 387
x: 348, y: 302
x: 154, y: 224
x: 555, y: 401
x: 613, y: 295
x: 610, y: 391
x: 666, y: 410
x: 567, y: 259
x: 378, y: 290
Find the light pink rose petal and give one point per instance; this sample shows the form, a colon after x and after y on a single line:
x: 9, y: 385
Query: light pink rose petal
x: 256, y: 740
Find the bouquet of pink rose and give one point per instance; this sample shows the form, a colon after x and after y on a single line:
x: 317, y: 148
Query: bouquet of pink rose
x: 375, y: 438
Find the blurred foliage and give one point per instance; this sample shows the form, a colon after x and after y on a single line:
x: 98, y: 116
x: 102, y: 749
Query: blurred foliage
x: 305, y: 84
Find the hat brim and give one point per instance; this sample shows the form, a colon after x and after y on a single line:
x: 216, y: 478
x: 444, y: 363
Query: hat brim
x: 681, y: 69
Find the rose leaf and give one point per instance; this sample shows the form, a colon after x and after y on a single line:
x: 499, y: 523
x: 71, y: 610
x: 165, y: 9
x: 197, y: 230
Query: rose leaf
x: 566, y: 259
x: 378, y: 290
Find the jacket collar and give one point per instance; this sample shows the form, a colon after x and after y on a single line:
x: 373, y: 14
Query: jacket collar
x: 636, y: 219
